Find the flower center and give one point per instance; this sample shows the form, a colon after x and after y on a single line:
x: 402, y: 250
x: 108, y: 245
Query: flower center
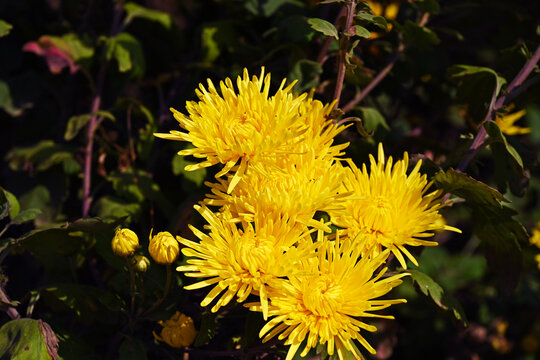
x: 322, y: 297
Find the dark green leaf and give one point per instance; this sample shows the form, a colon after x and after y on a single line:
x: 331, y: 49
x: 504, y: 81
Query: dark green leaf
x: 477, y: 86
x: 4, y: 205
x: 324, y: 27
x: 25, y: 215
x: 77, y: 122
x: 5, y: 28
x: 428, y: 6
x: 112, y: 207
x: 464, y: 186
x: 23, y: 339
x: 496, y: 135
x: 419, y: 36
x: 134, y: 10
x: 90, y: 226
x: 433, y: 290
x: 132, y: 349
x: 42, y: 156
x: 367, y: 18
x: 502, y: 238
x: 306, y: 72
x: 268, y: 7
x: 208, y: 328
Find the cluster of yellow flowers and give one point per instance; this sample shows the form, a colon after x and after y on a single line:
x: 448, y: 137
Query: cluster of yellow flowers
x: 535, y: 240
x: 280, y: 170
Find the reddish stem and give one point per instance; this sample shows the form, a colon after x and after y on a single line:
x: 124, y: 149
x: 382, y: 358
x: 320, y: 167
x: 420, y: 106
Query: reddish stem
x: 343, y: 53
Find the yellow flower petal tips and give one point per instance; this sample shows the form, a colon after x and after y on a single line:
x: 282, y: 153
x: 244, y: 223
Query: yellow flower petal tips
x: 325, y: 303
x: 163, y: 248
x: 124, y: 242
x: 388, y: 208
x: 178, y: 331
x: 234, y: 127
x: 506, y: 123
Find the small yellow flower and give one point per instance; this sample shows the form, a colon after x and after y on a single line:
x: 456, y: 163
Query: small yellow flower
x: 163, y: 248
x: 124, y: 242
x: 141, y: 263
x: 506, y: 123
x: 178, y: 331
x: 535, y: 238
x: 537, y: 258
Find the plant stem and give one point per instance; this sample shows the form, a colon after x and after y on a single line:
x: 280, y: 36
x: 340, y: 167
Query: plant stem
x: 95, y: 106
x: 343, y: 53
x: 385, y: 71
x: 322, y: 56
x: 10, y: 310
x: 165, y: 292
x: 501, y: 101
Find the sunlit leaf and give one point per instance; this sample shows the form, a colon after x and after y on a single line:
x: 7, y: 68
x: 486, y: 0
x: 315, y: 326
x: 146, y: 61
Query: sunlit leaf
x: 127, y: 52
x: 5, y: 28
x: 324, y: 27
x: 134, y: 10
x: 23, y: 339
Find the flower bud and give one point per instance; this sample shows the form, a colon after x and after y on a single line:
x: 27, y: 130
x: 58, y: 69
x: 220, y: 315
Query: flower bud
x: 178, y: 331
x: 140, y: 263
x: 163, y: 248
x: 124, y: 242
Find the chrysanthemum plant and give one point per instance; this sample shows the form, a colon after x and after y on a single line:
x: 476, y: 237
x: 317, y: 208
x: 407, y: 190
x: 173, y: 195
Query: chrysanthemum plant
x: 316, y: 281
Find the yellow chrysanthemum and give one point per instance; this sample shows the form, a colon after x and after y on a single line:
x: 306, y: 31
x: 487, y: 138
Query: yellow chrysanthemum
x: 240, y: 262
x: 228, y: 126
x: 295, y: 188
x: 327, y: 301
x: 506, y: 123
x: 178, y: 331
x: 389, y: 208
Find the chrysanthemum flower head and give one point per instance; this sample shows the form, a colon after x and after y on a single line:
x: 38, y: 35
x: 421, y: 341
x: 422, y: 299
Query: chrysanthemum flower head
x: 239, y: 262
x: 242, y: 124
x: 124, y: 242
x: 389, y: 208
x: 178, y: 331
x: 325, y: 303
x: 293, y: 187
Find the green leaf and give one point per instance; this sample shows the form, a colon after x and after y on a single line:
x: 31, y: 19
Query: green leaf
x: 501, y: 239
x: 306, y: 72
x: 127, y: 52
x: 372, y: 119
x: 14, y: 206
x: 111, y: 207
x: 209, y: 46
x: 4, y: 204
x: 23, y: 339
x: 25, y: 215
x: 477, y: 86
x: 419, y: 36
x: 496, y: 135
x: 134, y: 10
x: 196, y: 177
x: 5, y: 28
x: 369, y: 19
x: 42, y: 156
x: 91, y: 226
x: 77, y: 122
x: 433, y: 290
x: 268, y: 7
x: 464, y: 186
x: 362, y: 31
x: 207, y: 332
x: 427, y: 6
x: 72, y: 45
x: 6, y: 102
x: 324, y: 27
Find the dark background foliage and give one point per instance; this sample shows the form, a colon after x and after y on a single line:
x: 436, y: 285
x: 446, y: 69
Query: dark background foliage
x: 71, y: 71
